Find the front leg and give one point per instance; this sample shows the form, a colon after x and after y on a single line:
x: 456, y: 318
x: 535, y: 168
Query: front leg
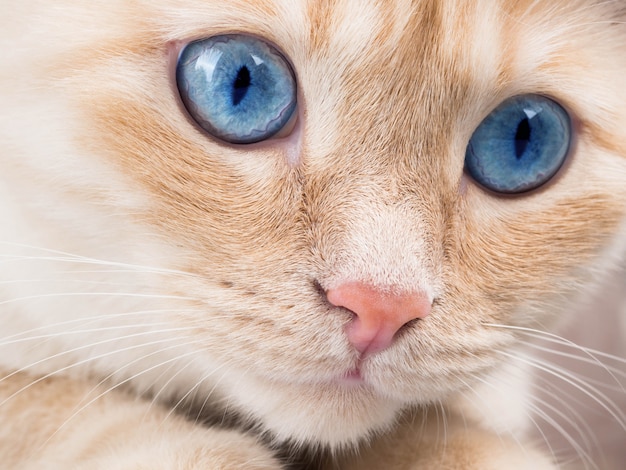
x: 40, y: 429
x: 427, y: 441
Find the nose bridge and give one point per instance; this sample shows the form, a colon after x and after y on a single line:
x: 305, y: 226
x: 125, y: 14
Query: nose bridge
x: 364, y: 230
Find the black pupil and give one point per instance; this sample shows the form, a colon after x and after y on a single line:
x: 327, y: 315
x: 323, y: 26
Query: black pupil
x: 241, y: 85
x: 522, y: 137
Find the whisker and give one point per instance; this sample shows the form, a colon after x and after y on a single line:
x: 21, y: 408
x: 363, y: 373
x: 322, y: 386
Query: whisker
x: 83, y: 321
x: 126, y: 365
x: 510, y: 434
x: 585, y: 434
x: 226, y: 403
x: 63, y: 281
x: 547, y: 336
x: 172, y: 377
x: 83, y: 331
x: 613, y: 372
x: 581, y: 452
x: 443, y: 422
x: 597, y: 396
x: 110, y: 389
x: 572, y: 418
x: 78, y: 259
x: 209, y: 395
x: 96, y: 294
x: 195, y: 387
x: 90, y: 359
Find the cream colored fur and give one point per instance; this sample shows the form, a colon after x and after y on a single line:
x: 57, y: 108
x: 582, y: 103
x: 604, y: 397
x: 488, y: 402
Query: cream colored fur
x: 150, y: 275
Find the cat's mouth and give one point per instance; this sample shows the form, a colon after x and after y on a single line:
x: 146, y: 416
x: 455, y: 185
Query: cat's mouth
x: 352, y: 378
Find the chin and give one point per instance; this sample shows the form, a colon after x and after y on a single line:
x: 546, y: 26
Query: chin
x: 331, y: 415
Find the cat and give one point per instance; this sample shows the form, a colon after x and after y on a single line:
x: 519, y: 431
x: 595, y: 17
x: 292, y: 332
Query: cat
x: 295, y: 234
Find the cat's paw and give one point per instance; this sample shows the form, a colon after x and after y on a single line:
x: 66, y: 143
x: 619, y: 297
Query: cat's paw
x: 482, y: 451
x: 201, y: 449
x: 459, y: 449
x: 116, y: 431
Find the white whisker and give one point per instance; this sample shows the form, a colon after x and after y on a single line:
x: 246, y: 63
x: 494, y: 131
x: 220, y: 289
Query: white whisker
x: 581, y: 452
x: 572, y: 418
x: 83, y: 322
x: 90, y: 359
x: 83, y: 331
x: 593, y: 393
x: 547, y: 336
x: 195, y: 387
x: 172, y: 377
x: 136, y: 360
x: 96, y: 294
x: 78, y: 259
x: 489, y: 406
x: 117, y: 385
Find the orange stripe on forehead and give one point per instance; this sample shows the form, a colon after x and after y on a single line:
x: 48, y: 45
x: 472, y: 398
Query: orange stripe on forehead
x: 380, y: 20
x: 387, y: 82
x: 344, y: 29
x: 320, y: 13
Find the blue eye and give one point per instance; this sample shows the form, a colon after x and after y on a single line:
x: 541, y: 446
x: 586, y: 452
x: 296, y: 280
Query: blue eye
x: 520, y: 146
x: 237, y: 88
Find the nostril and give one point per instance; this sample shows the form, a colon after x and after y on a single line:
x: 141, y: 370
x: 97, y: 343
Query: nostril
x: 379, y: 314
x: 317, y: 287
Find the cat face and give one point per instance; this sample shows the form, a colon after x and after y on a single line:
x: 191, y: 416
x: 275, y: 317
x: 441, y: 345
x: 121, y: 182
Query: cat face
x: 367, y: 186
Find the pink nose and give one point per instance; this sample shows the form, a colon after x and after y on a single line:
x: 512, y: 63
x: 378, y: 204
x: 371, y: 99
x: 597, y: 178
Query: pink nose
x: 378, y: 314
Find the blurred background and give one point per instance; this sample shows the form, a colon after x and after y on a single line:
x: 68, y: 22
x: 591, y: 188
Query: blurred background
x: 588, y: 400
